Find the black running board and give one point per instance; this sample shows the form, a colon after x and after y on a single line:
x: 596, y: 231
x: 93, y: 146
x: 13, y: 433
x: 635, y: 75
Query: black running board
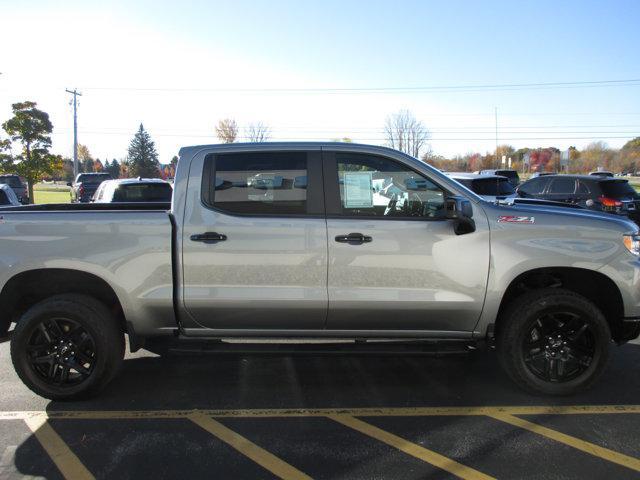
x: 190, y: 346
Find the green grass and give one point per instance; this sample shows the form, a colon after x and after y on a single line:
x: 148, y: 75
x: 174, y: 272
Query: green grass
x: 51, y: 193
x: 45, y: 196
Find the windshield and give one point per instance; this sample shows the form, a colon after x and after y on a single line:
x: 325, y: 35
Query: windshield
x: 510, y: 174
x: 618, y: 189
x: 143, y: 192
x: 492, y: 186
x: 93, y: 177
x: 13, y: 182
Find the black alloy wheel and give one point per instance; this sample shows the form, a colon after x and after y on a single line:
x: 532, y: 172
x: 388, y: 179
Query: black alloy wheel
x: 559, y: 347
x: 61, y: 352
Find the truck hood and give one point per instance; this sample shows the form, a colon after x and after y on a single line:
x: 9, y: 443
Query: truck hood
x: 546, y: 214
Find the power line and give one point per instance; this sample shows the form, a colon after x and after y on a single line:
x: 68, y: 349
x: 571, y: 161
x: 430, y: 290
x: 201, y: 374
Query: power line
x: 379, y: 139
x: 404, y: 89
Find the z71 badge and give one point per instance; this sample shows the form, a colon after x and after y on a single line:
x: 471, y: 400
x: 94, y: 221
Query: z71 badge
x: 516, y: 219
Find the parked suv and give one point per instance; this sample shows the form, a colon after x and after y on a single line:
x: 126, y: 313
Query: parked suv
x: 606, y: 194
x: 512, y: 175
x: 18, y: 186
x: 85, y: 185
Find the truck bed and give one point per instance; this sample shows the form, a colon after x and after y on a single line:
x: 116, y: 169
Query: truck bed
x: 127, y: 246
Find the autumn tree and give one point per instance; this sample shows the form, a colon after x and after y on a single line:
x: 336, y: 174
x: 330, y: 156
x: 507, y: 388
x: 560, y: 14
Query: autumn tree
x: 142, y: 158
x: 596, y: 155
x: 31, y: 128
x: 629, y: 156
x: 257, y: 132
x: 227, y: 130
x: 405, y: 133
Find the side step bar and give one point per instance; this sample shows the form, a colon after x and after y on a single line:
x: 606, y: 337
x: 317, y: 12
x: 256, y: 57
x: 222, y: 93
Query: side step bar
x: 191, y: 346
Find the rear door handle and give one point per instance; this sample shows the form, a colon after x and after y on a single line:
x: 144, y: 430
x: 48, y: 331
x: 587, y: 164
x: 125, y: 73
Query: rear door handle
x: 353, y: 238
x: 208, y: 237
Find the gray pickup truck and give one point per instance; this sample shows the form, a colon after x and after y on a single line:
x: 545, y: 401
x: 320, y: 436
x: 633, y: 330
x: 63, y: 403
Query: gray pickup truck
x: 313, y: 242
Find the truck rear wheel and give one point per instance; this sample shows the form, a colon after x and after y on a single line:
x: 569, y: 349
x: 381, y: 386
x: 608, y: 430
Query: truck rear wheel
x: 553, y: 342
x: 67, y: 347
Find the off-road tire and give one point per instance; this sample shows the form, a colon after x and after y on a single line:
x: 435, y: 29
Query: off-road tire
x: 521, y: 315
x: 96, y: 320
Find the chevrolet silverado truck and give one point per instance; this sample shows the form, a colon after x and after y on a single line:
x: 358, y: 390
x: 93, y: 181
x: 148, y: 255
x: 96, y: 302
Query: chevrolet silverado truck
x: 315, y: 242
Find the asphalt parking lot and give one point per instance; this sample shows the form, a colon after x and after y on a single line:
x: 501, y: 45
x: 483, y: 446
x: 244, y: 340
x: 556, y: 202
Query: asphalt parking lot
x: 303, y: 416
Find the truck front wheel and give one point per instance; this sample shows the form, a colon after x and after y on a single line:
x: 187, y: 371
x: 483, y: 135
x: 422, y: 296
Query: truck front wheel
x: 553, y: 342
x: 67, y: 347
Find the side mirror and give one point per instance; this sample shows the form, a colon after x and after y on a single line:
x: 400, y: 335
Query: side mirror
x: 460, y: 210
x: 458, y: 207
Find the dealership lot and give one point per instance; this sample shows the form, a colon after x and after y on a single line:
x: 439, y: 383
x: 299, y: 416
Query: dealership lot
x: 301, y: 416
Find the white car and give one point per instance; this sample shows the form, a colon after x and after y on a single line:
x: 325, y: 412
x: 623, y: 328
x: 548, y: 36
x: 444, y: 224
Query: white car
x: 125, y: 190
x: 8, y: 196
x: 489, y: 187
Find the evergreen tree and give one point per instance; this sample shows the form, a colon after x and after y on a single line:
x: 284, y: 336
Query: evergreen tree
x: 87, y: 165
x: 142, y: 158
x: 114, y: 169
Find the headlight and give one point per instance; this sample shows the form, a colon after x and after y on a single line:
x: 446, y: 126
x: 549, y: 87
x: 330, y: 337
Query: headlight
x: 632, y: 242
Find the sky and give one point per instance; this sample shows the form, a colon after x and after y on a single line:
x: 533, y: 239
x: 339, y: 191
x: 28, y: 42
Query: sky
x: 326, y: 69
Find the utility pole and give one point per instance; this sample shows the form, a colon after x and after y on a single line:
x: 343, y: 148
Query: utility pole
x: 497, y: 163
x: 75, y: 94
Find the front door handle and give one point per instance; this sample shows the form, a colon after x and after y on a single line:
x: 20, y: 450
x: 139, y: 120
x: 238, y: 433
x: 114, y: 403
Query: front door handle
x: 208, y: 237
x: 353, y: 238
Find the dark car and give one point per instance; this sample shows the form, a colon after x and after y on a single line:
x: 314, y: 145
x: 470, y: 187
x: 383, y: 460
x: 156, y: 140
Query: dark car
x: 86, y: 184
x: 512, y: 175
x: 605, y: 194
x: 18, y: 186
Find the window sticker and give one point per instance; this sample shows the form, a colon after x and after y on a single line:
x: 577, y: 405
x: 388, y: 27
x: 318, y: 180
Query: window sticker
x: 358, y: 189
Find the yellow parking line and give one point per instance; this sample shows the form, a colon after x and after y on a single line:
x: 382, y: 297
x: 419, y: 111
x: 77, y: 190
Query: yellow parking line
x: 322, y: 412
x: 69, y: 465
x: 588, y: 447
x: 259, y: 455
x: 410, y: 448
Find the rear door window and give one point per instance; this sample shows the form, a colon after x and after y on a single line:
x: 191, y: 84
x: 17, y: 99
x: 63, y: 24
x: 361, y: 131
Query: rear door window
x: 262, y: 183
x: 562, y: 186
x: 534, y: 186
x: 4, y: 200
x: 583, y: 189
